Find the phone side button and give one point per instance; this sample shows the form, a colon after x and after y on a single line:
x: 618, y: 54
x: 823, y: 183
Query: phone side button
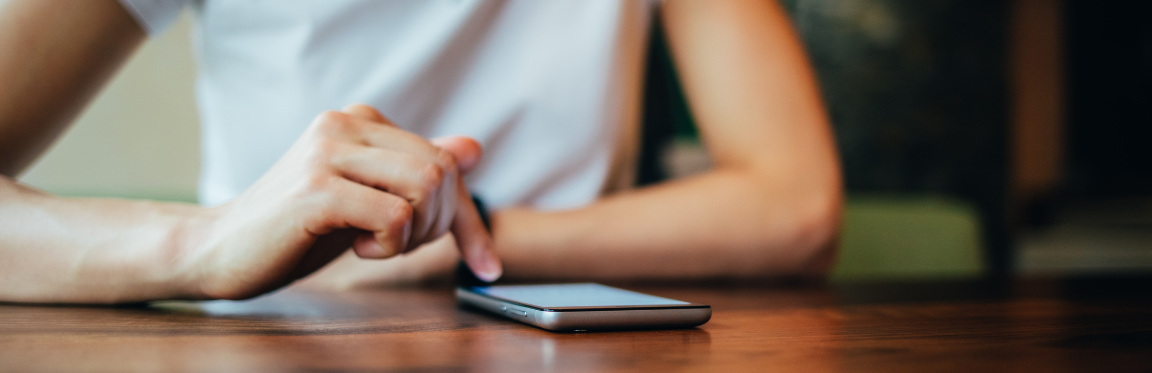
x: 516, y: 312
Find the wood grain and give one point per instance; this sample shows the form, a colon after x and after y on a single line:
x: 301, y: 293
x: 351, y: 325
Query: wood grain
x: 1029, y: 326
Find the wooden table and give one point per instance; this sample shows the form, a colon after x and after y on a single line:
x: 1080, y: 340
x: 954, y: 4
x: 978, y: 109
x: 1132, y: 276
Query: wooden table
x: 1026, y: 326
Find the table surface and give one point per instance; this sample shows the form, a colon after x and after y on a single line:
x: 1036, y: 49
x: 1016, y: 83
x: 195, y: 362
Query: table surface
x: 1031, y: 325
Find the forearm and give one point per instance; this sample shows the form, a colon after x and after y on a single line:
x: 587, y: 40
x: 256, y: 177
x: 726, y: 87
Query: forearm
x: 770, y: 208
x: 91, y: 251
x: 727, y: 223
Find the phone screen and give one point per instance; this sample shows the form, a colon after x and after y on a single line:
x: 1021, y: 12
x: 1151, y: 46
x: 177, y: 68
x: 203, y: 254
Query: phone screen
x: 573, y: 295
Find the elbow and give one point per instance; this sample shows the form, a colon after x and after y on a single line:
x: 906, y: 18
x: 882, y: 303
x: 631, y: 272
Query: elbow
x: 815, y: 235
x: 803, y: 241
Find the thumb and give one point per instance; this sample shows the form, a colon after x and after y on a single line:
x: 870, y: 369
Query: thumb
x: 466, y: 150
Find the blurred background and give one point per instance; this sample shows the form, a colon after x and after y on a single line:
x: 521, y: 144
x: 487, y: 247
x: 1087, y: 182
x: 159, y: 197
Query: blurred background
x: 979, y: 138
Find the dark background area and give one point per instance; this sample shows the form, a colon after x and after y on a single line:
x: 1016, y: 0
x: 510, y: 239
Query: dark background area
x: 917, y: 92
x: 1109, y: 128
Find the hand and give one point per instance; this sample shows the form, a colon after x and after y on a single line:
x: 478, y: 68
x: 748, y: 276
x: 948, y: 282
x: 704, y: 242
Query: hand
x: 352, y: 179
x: 433, y: 263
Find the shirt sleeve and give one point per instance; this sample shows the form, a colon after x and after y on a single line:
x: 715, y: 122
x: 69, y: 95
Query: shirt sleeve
x: 154, y: 16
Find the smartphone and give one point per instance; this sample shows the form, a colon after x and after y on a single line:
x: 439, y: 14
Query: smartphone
x: 581, y: 307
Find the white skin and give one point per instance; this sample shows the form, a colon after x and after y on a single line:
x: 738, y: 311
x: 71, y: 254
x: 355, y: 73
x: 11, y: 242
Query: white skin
x: 770, y: 207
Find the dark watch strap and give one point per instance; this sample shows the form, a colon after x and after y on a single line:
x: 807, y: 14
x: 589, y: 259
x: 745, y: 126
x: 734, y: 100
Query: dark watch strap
x: 483, y: 210
x: 464, y: 275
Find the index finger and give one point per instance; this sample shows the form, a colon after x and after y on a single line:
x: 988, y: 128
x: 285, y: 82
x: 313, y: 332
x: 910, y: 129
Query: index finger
x: 473, y: 239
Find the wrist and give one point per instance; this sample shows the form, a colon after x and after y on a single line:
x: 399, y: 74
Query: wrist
x: 180, y: 262
x: 144, y: 261
x: 512, y: 238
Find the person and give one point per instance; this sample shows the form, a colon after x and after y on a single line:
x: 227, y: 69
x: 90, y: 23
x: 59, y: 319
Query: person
x: 359, y: 124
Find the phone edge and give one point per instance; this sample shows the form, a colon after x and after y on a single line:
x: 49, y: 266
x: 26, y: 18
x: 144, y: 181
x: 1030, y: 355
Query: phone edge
x: 681, y: 316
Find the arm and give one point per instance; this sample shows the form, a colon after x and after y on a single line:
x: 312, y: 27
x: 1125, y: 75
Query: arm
x: 769, y: 207
x: 57, y: 56
x: 323, y: 196
x: 56, y: 61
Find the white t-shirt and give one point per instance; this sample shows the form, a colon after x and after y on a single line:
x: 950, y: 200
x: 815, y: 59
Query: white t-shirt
x: 550, y: 88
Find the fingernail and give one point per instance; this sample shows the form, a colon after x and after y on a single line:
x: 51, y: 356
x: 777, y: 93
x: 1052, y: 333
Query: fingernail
x: 381, y: 250
x: 491, y: 269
